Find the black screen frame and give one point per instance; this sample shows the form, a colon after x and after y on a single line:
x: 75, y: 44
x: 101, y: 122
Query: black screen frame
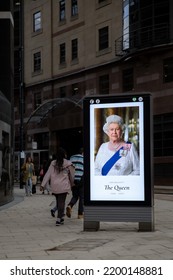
x: 148, y: 148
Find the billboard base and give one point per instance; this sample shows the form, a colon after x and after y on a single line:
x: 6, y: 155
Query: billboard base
x: 146, y: 226
x: 96, y: 214
x: 91, y: 226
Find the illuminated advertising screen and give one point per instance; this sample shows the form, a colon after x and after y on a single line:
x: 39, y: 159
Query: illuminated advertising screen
x: 117, y: 150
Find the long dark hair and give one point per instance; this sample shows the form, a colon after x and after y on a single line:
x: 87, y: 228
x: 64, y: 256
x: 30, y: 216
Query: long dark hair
x: 27, y: 159
x: 60, y: 155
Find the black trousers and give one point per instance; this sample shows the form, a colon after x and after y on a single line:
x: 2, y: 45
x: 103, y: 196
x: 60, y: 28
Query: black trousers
x: 78, y: 194
x: 60, y: 203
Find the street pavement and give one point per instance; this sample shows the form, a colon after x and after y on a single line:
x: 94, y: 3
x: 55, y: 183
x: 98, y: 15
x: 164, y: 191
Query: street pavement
x: 27, y: 231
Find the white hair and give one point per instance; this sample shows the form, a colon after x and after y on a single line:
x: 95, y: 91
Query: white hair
x: 113, y: 119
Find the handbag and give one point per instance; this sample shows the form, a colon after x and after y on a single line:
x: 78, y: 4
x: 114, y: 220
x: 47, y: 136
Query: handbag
x: 41, y: 172
x: 34, y: 179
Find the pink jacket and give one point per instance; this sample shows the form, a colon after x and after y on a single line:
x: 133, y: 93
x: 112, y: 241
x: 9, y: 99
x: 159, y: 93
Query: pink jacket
x: 61, y: 182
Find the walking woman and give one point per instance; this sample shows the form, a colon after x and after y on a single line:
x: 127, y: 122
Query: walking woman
x: 28, y: 171
x: 61, y: 176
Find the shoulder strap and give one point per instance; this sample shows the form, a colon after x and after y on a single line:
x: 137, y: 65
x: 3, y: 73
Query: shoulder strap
x: 108, y: 165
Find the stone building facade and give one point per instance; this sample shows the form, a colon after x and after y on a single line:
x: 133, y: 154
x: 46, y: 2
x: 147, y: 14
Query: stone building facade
x: 73, y: 49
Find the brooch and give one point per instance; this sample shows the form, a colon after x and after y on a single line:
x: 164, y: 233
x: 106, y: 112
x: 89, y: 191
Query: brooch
x: 123, y: 153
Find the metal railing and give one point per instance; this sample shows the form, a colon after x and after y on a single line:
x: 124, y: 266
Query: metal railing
x: 146, y: 37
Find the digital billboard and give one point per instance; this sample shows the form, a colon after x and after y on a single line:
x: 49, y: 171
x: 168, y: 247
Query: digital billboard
x: 117, y: 150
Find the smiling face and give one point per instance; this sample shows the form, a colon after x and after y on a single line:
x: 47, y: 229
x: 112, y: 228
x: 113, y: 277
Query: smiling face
x: 114, y: 132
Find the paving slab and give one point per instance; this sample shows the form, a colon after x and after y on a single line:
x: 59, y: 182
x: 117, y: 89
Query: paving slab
x: 28, y: 231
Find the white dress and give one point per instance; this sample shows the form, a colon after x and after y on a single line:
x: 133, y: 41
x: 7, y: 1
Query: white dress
x: 127, y: 163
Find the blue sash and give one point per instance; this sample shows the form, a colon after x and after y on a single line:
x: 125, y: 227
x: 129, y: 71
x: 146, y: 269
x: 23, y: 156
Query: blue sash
x: 108, y: 165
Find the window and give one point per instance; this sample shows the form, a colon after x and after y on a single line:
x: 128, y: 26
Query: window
x: 37, y: 100
x: 74, y: 8
x: 62, y: 10
x: 74, y: 49
x: 163, y: 135
x: 62, y: 53
x: 102, y: 3
x: 42, y: 140
x: 37, y: 61
x: 37, y: 21
x: 127, y: 78
x: 75, y: 89
x: 62, y: 91
x: 168, y: 70
x: 125, y: 25
x: 104, y: 84
x: 103, y: 38
x: 145, y: 23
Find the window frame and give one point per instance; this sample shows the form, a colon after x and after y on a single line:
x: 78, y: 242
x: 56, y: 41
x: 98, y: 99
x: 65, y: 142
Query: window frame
x: 74, y: 8
x: 62, y: 91
x: 37, y: 61
x: 62, y: 53
x: 104, y: 84
x: 35, y: 19
x: 103, y: 39
x: 75, y: 89
x: 62, y: 10
x: 168, y: 70
x: 163, y: 135
x: 74, y: 49
x: 37, y: 99
x: 128, y: 79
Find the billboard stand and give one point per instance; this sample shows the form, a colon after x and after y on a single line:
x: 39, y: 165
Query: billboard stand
x: 118, y: 166
x: 146, y: 226
x: 144, y: 216
x: 95, y: 226
x: 91, y: 225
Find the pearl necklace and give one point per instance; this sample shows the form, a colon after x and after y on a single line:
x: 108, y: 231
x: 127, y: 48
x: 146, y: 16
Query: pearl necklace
x: 113, y: 147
